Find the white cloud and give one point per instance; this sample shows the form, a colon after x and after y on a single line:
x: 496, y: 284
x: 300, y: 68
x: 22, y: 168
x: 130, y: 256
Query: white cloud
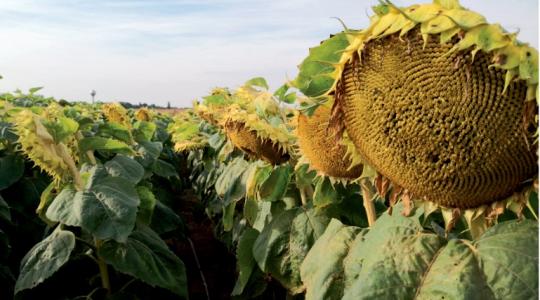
x: 175, y: 51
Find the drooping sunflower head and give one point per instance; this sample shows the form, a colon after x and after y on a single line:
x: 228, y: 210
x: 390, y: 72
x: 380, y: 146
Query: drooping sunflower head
x: 115, y: 112
x: 39, y: 145
x: 268, y: 139
x: 185, y: 132
x: 246, y: 139
x: 143, y: 114
x: 212, y: 107
x: 320, y: 150
x: 437, y: 100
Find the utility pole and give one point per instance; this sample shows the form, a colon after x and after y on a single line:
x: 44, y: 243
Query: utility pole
x: 93, y: 94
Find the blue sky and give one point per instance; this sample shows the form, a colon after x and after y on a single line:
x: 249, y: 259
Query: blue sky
x: 178, y: 50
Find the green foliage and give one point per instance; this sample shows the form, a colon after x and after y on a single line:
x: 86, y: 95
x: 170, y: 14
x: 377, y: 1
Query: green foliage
x: 246, y: 262
x: 44, y: 259
x: 106, y: 207
x: 112, y: 174
x: 421, y: 265
x: 108, y: 144
x: 11, y: 170
x: 316, y: 71
x: 145, y: 256
x: 283, y: 244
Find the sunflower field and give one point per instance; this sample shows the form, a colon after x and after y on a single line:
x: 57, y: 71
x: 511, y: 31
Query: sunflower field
x: 401, y: 163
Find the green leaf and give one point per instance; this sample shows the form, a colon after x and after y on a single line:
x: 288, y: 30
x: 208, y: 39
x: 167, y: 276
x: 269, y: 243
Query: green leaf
x: 283, y: 244
x: 106, y: 207
x: 275, y: 186
x: 229, y: 177
x: 257, y: 213
x: 448, y: 4
x: 322, y: 267
x: 7, y: 132
x: 11, y: 170
x: 144, y: 131
x: 164, y: 169
x: 62, y: 128
x: 228, y: 216
x: 324, y: 193
x: 258, y: 81
x: 44, y: 259
x: 101, y: 143
x: 125, y: 167
x: 398, y: 259
x: 164, y: 219
x: 146, y: 257
x: 244, y: 259
x: 34, y: 89
x: 216, y: 100
x: 315, y: 77
x: 116, y: 131
x: 148, y: 153
x: 281, y: 94
x: 148, y: 202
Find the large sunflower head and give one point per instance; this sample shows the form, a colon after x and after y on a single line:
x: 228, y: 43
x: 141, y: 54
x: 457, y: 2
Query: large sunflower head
x: 440, y: 102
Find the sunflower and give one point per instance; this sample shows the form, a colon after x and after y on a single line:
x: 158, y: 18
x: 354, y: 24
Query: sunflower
x: 438, y: 101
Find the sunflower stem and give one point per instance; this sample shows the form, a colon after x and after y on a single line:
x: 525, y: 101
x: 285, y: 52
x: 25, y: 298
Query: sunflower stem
x: 103, y: 271
x: 306, y: 193
x: 368, y: 203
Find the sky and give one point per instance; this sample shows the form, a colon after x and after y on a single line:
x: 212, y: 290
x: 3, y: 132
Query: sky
x: 178, y: 50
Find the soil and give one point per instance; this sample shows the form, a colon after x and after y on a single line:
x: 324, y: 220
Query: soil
x: 217, y: 264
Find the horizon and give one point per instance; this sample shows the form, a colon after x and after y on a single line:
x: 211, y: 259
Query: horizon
x: 176, y: 51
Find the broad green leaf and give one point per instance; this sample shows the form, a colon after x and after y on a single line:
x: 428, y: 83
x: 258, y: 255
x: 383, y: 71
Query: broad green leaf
x: 233, y: 171
x: 216, y: 100
x: 275, y: 186
x: 146, y: 207
x: 146, y: 257
x: 46, y: 198
x: 164, y: 169
x: 62, y: 128
x: 148, y: 153
x: 257, y: 213
x: 324, y: 193
x: 44, y: 259
x: 283, y: 244
x: 281, y: 94
x: 164, y: 219
x: 108, y: 144
x: 11, y: 170
x: 106, y: 207
x: 125, y: 167
x: 258, y: 81
x: 508, y: 255
x: 7, y: 132
x: 144, y: 131
x: 228, y: 216
x: 448, y: 4
x: 244, y: 259
x: 34, y: 89
x: 116, y: 131
x: 322, y: 268
x: 398, y: 259
x: 315, y: 77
